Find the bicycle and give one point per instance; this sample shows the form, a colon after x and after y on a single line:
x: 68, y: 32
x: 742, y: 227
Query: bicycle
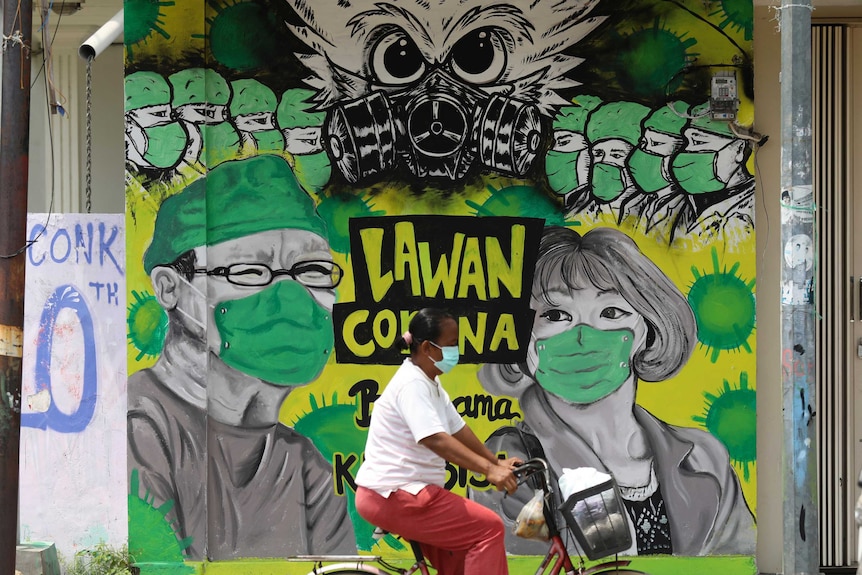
x: 555, y: 561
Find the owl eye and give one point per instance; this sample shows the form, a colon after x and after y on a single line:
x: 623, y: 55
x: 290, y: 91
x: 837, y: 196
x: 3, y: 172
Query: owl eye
x: 396, y: 59
x: 479, y: 57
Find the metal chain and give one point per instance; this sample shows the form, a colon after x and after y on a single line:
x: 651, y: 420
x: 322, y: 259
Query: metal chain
x: 89, y: 169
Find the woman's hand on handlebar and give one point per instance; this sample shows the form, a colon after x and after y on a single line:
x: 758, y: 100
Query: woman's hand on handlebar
x: 526, y: 469
x: 512, y: 462
x: 501, y: 476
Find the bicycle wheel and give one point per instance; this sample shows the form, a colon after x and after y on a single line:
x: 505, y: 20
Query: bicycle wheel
x: 350, y: 569
x: 619, y: 567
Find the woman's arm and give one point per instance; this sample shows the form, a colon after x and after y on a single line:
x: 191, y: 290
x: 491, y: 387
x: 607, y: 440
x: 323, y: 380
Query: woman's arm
x: 455, y: 450
x: 468, y: 438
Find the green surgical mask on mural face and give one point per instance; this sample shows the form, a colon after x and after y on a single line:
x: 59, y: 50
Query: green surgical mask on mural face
x: 607, y: 182
x: 646, y: 171
x: 280, y: 334
x: 221, y: 142
x: 583, y: 364
x: 695, y: 172
x: 562, y: 171
x: 165, y: 145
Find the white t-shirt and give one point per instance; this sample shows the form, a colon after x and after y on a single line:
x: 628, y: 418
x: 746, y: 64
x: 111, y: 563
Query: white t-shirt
x: 411, y: 408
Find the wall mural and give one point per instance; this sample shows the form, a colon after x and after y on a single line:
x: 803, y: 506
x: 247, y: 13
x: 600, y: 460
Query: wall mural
x: 303, y: 176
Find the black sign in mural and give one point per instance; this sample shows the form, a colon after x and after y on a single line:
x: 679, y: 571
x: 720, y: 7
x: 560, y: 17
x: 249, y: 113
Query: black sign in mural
x: 479, y: 269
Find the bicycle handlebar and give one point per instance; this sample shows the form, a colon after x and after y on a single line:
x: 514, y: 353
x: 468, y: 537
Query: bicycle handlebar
x: 529, y: 468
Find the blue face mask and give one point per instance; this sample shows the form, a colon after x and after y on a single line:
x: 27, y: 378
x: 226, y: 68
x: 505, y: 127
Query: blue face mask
x: 450, y: 357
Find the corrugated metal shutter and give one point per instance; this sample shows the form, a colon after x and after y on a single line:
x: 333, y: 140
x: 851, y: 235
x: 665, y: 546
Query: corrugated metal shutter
x: 837, y: 294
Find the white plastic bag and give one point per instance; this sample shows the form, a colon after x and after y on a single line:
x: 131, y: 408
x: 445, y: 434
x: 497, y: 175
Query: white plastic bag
x: 576, y: 480
x: 530, y: 523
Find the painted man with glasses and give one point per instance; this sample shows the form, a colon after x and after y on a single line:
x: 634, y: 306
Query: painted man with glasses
x: 241, y: 265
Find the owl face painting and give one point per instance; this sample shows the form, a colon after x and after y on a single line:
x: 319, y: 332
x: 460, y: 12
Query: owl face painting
x: 438, y: 87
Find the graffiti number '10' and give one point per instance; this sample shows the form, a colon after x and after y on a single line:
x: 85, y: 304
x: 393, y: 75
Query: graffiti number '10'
x: 64, y: 297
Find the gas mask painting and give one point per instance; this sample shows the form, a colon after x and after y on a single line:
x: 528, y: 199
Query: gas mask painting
x: 438, y: 90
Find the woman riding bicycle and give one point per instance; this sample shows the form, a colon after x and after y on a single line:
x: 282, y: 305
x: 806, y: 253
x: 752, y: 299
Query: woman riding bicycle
x: 414, y: 430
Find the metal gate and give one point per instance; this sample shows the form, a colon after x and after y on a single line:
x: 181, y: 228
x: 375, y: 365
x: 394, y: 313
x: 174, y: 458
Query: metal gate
x: 839, y: 293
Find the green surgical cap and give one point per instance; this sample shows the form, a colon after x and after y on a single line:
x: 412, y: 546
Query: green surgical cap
x: 664, y: 119
x: 251, y: 97
x: 218, y: 92
x: 297, y: 110
x: 574, y: 118
x: 236, y: 199
x: 617, y: 120
x: 702, y: 121
x: 189, y: 86
x: 144, y: 89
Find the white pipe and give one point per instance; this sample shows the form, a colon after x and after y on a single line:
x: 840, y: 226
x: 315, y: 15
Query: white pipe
x: 104, y: 36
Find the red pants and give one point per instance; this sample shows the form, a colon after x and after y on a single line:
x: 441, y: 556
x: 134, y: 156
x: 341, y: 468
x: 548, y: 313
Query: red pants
x: 458, y: 536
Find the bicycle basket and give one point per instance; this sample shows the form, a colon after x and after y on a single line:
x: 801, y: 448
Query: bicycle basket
x: 599, y: 520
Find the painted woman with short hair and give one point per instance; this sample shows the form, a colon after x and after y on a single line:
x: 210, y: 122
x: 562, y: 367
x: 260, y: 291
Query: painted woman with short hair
x: 606, y: 318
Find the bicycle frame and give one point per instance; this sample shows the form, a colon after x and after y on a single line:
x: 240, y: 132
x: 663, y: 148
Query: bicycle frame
x: 560, y: 556
x: 360, y: 563
x: 356, y: 564
x: 557, y: 557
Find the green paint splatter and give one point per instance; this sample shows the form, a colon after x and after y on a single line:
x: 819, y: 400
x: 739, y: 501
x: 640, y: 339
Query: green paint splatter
x: 739, y: 15
x: 652, y: 63
x: 152, y: 539
x: 731, y: 416
x: 244, y: 51
x: 520, y: 201
x: 333, y: 430
x: 724, y: 308
x: 337, y: 212
x: 142, y: 18
x: 148, y: 325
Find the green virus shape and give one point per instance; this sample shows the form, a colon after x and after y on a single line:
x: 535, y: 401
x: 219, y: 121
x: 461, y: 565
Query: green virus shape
x: 522, y: 202
x: 148, y: 325
x: 337, y: 211
x: 153, y: 542
x: 333, y: 431
x: 738, y: 15
x: 724, y: 308
x: 142, y: 18
x: 244, y: 51
x: 653, y: 60
x: 731, y: 416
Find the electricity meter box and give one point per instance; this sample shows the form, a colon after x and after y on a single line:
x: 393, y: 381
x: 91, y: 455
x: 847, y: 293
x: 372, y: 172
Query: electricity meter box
x: 724, y: 97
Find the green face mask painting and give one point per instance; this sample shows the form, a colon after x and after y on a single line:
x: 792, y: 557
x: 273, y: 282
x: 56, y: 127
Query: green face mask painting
x: 646, y: 171
x: 695, y: 172
x: 607, y: 182
x: 165, y: 145
x: 280, y: 334
x: 582, y: 365
x: 562, y: 171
